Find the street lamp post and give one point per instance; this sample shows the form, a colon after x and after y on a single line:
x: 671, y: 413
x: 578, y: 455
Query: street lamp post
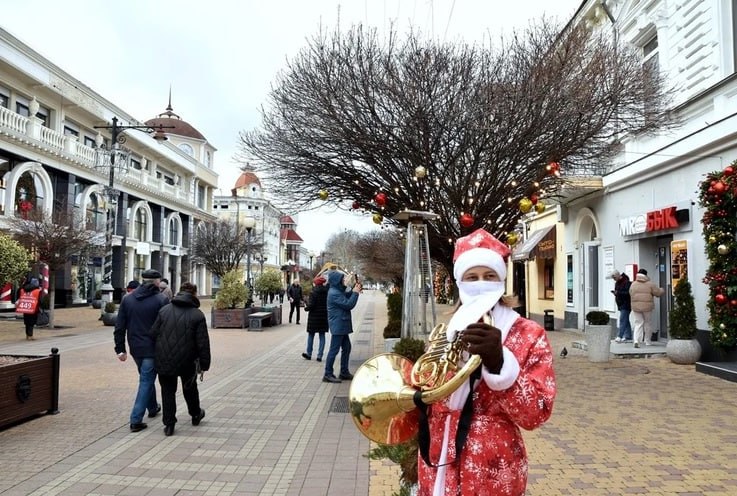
x: 116, y: 139
x: 249, y: 223
x: 312, y: 257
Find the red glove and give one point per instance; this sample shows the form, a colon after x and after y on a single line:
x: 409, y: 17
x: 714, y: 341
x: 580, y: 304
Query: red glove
x: 485, y: 341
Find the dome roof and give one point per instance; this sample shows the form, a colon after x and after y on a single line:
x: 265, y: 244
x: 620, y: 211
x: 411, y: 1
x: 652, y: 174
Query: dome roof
x: 177, y: 125
x: 246, y: 179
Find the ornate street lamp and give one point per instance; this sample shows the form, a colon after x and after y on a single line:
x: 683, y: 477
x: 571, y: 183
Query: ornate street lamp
x: 249, y: 223
x: 114, y: 158
x: 312, y: 257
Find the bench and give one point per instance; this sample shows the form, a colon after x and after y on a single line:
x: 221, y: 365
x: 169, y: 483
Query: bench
x: 257, y: 320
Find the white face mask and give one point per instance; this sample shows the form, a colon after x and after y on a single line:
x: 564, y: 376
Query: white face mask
x: 470, y: 290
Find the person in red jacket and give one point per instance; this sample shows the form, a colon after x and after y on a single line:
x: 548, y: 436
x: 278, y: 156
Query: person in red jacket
x: 33, y: 290
x: 470, y: 442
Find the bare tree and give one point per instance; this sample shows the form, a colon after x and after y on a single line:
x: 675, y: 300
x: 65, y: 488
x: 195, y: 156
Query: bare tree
x: 52, y: 239
x: 381, y: 254
x: 340, y: 248
x: 221, y: 246
x: 354, y: 116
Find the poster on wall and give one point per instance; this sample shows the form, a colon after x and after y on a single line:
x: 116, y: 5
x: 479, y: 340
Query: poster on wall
x: 678, y: 261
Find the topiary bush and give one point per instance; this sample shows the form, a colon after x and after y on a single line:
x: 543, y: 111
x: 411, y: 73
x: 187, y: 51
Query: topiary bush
x: 597, y: 317
x: 682, y: 318
x: 394, y: 306
x: 410, y: 348
x: 393, y: 329
x: 232, y: 292
x: 110, y: 307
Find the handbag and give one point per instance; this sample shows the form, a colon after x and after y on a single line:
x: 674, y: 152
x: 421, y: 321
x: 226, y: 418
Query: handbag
x: 26, y: 304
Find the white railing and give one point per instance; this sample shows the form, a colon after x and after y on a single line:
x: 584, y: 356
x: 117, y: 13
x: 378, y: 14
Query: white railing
x: 13, y: 120
x: 52, y: 138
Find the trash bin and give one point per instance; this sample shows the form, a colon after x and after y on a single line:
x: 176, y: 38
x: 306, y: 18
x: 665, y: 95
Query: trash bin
x: 549, y: 321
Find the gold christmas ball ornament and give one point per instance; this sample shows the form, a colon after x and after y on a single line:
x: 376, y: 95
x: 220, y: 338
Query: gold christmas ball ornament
x: 512, y: 238
x: 723, y: 249
x: 712, y: 239
x: 323, y: 194
x: 420, y: 172
x: 525, y: 205
x: 722, y: 326
x: 539, y: 207
x: 377, y: 218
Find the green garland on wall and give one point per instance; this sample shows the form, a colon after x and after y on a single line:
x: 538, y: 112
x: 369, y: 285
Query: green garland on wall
x: 718, y: 198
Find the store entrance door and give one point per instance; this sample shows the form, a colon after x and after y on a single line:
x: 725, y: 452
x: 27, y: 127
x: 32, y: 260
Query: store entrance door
x: 665, y: 302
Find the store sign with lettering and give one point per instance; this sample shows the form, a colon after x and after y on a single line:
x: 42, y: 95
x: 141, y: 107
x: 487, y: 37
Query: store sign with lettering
x: 656, y: 220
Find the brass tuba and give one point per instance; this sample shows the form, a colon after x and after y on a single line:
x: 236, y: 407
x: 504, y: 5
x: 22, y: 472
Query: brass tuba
x: 383, y: 389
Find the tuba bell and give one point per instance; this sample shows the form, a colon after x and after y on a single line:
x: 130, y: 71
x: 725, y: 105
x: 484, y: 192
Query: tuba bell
x: 383, y: 390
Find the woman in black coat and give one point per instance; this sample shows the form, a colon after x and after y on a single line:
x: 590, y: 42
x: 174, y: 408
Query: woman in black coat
x: 317, y: 318
x: 182, y: 340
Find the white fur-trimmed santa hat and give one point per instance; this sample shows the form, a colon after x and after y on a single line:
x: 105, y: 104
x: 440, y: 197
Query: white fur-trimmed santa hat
x: 480, y: 249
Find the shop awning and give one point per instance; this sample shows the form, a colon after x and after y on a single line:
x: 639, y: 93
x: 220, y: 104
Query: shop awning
x: 540, y: 243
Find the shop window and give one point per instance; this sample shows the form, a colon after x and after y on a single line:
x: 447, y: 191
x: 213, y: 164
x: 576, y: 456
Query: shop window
x: 140, y: 225
x: 173, y: 232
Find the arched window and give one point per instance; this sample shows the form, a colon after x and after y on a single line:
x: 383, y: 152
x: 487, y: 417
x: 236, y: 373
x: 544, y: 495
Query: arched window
x: 28, y: 193
x: 95, y: 215
x: 141, y: 224
x: 173, y: 231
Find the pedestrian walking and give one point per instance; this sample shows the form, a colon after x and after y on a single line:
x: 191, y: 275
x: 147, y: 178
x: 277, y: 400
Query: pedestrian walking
x: 294, y: 293
x: 317, y: 318
x: 165, y: 289
x: 642, y: 294
x: 136, y: 315
x: 29, y: 304
x: 182, y: 351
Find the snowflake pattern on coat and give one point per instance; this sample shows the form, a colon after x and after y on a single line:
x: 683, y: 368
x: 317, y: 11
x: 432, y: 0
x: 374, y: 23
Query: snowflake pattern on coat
x: 494, y: 459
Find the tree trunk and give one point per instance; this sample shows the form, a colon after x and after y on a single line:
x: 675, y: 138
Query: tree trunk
x: 52, y: 292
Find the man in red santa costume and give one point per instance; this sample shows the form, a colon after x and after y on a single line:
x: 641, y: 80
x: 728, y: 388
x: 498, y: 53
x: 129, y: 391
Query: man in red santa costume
x: 470, y: 442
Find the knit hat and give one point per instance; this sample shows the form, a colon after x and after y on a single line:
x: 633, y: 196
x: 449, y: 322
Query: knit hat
x: 133, y: 284
x: 319, y: 280
x: 642, y: 271
x: 151, y: 274
x: 615, y: 274
x: 480, y: 249
x: 34, y: 281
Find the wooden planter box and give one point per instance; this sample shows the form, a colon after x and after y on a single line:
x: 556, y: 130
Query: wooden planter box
x: 230, y: 317
x: 29, y: 385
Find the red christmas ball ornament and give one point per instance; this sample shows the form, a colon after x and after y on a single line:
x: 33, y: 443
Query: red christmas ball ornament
x: 534, y: 198
x: 356, y: 205
x: 728, y: 170
x: 720, y: 299
x: 380, y: 199
x: 466, y: 220
x: 720, y: 188
x: 733, y: 303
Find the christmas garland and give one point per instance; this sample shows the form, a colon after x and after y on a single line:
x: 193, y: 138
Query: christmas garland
x: 718, y: 198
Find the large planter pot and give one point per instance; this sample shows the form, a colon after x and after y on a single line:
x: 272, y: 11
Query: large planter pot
x: 109, y: 319
x: 29, y: 385
x: 96, y: 304
x: 598, y: 340
x: 683, y: 351
x: 230, y: 317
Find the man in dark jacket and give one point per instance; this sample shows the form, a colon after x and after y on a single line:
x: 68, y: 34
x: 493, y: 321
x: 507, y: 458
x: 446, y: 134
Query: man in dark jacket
x: 317, y: 319
x: 182, y: 343
x: 294, y: 293
x: 341, y: 300
x: 622, y: 298
x: 136, y: 315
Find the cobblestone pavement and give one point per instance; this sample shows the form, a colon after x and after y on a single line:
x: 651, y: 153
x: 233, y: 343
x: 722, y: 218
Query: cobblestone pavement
x: 627, y: 426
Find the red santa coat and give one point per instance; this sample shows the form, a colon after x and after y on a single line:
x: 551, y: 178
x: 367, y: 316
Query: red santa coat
x: 494, y: 459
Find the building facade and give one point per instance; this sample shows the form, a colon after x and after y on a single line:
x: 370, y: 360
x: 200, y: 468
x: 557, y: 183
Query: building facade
x: 645, y: 212
x: 55, y: 152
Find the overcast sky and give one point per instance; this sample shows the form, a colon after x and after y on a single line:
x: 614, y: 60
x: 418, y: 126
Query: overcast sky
x: 220, y: 56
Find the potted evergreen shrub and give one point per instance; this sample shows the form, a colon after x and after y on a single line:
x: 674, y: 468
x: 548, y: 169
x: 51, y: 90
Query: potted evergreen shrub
x: 598, y: 334
x: 682, y: 347
x: 97, y: 301
x: 109, y: 314
x: 393, y: 329
x: 228, y: 309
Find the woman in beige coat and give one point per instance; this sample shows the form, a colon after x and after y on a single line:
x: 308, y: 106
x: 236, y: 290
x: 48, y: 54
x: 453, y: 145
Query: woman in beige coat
x: 642, y: 292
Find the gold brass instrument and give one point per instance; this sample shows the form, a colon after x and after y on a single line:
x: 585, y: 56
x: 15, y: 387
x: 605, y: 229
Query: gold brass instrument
x: 382, y: 392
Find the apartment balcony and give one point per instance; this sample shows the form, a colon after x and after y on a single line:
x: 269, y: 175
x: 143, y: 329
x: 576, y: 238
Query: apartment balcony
x: 580, y: 181
x: 29, y: 134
